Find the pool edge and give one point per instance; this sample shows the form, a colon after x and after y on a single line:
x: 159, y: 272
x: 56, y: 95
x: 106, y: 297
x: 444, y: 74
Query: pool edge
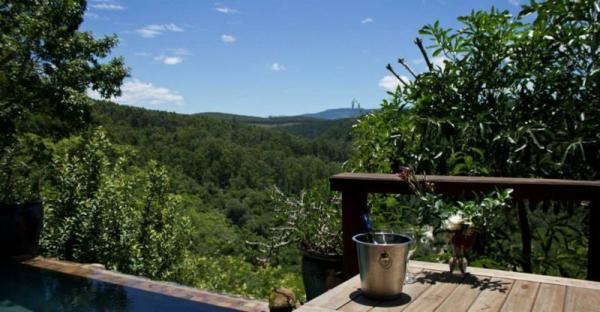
x: 171, y: 289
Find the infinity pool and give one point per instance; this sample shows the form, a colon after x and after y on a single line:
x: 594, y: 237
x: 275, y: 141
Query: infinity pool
x: 26, y: 288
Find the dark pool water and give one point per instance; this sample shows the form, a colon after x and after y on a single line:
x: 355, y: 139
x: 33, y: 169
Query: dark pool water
x: 24, y: 288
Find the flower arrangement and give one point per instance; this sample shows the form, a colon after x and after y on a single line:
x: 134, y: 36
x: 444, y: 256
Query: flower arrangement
x: 458, y: 221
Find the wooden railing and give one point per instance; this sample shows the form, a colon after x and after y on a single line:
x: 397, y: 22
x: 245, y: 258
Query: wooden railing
x: 355, y: 187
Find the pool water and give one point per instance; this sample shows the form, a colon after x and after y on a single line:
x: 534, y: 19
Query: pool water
x: 25, y: 288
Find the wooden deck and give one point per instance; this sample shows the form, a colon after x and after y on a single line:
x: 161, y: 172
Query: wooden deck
x: 435, y: 289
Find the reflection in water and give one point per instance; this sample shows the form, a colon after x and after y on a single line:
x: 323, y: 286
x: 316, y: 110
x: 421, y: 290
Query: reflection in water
x: 25, y: 288
x: 35, y: 289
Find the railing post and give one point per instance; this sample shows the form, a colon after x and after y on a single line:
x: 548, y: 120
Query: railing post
x: 354, y: 204
x: 593, y: 266
x: 525, y: 235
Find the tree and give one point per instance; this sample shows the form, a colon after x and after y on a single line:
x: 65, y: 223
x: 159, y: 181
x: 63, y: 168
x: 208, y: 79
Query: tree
x: 47, y: 65
x: 100, y: 208
x: 513, y: 96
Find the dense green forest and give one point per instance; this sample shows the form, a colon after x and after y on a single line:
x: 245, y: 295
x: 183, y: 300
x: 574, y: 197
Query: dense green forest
x: 224, y: 167
x: 230, y: 152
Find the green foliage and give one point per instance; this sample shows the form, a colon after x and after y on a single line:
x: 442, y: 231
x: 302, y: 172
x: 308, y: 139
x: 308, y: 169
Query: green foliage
x: 222, y: 170
x: 515, y: 96
x: 512, y: 99
x: 213, y: 234
x: 96, y: 210
x: 480, y: 215
x: 221, y: 153
x: 22, y: 171
x: 234, y: 275
x: 46, y: 66
x: 311, y: 221
x: 116, y: 203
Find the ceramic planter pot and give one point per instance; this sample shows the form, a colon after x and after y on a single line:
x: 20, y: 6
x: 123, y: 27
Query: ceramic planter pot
x: 320, y: 273
x: 20, y: 229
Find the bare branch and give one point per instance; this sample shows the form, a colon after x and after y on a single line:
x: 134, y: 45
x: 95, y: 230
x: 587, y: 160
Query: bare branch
x: 389, y: 67
x: 419, y: 43
x: 403, y: 63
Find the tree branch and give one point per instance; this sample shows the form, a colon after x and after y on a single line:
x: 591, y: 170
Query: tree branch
x: 403, y: 63
x: 419, y: 43
x: 389, y: 67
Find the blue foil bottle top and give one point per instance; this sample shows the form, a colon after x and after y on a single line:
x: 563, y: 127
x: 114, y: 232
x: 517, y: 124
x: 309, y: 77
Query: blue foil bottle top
x: 366, y: 223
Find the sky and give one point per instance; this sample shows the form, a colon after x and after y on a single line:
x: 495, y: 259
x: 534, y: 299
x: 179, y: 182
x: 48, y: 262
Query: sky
x: 267, y: 57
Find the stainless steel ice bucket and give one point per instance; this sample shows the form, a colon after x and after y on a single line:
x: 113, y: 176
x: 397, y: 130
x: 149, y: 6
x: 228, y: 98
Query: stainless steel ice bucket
x: 382, y: 259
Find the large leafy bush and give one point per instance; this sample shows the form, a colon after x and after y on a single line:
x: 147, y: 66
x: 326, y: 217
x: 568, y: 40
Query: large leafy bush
x: 516, y: 96
x: 100, y: 208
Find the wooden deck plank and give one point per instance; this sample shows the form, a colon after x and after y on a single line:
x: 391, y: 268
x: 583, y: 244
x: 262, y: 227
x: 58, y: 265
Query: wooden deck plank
x: 465, y: 294
x: 361, y: 303
x: 309, y: 308
x: 443, y: 284
x: 411, y: 290
x: 582, y: 299
x: 521, y: 297
x: 550, y: 298
x: 492, y: 297
x: 481, y: 290
x: 338, y: 296
x: 547, y: 279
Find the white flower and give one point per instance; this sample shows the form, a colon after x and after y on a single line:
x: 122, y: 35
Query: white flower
x: 428, y: 233
x: 454, y: 222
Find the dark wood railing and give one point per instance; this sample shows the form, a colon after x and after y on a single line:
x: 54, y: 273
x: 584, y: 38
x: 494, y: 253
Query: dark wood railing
x: 355, y: 187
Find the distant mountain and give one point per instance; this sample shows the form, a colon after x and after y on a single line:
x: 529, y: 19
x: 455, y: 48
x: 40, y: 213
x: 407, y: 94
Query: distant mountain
x: 339, y: 113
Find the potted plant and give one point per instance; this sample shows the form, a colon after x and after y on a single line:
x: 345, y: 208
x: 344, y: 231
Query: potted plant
x: 21, y: 213
x: 311, y: 221
x: 457, y: 221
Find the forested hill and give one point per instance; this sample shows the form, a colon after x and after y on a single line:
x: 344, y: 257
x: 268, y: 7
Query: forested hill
x: 340, y: 113
x: 227, y: 151
x: 303, y: 125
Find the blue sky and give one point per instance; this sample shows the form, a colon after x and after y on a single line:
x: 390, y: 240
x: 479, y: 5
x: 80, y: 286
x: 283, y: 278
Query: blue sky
x: 266, y: 58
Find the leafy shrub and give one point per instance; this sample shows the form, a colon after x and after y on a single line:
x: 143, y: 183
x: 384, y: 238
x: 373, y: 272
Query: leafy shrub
x: 100, y: 209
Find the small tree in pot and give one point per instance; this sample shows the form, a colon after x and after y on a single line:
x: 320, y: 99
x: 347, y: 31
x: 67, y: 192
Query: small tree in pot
x: 312, y: 221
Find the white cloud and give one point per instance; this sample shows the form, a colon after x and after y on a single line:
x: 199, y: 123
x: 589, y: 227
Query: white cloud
x: 91, y: 15
x: 367, y: 20
x: 514, y: 2
x: 228, y: 38
x: 151, y: 31
x: 439, y: 61
x: 436, y: 61
x: 139, y: 93
x: 107, y: 6
x: 390, y: 83
x: 277, y: 67
x: 169, y: 60
x: 226, y: 10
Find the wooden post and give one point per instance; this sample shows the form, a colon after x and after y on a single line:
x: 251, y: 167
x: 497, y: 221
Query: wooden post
x: 593, y: 266
x: 354, y: 204
x: 525, y: 235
